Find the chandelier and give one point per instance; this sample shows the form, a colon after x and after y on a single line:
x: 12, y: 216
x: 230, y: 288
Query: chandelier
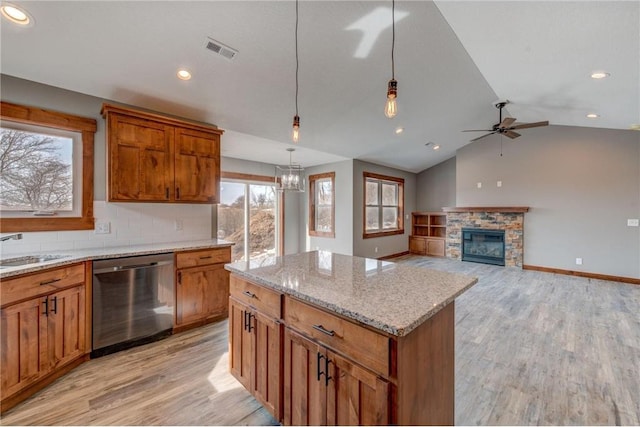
x: 291, y: 177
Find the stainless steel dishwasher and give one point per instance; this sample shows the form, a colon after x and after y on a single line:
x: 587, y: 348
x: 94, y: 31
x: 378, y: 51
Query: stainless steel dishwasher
x: 133, y: 301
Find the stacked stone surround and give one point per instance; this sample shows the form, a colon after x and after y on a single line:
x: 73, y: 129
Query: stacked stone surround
x: 511, y: 223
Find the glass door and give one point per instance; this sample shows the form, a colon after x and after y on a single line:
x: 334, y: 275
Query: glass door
x: 248, y: 215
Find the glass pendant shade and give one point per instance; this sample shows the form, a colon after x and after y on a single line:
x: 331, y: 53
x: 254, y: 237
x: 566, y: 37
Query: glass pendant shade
x: 295, y: 136
x: 391, y: 107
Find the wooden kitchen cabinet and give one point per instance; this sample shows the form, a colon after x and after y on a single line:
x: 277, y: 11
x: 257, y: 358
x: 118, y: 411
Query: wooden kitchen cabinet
x: 43, y: 335
x: 428, y: 233
x: 340, y: 391
x: 156, y: 158
x: 256, y: 343
x: 202, y: 286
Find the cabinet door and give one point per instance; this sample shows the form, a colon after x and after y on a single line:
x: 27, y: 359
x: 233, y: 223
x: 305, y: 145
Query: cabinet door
x: 23, y: 336
x: 417, y: 245
x: 266, y: 379
x: 140, y: 160
x: 240, y: 343
x: 201, y: 292
x: 197, y: 166
x: 304, y: 383
x: 66, y: 326
x: 435, y: 247
x: 355, y: 396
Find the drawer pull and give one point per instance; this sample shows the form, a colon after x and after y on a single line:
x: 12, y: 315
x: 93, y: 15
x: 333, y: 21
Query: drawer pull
x: 323, y: 330
x: 48, y: 282
x: 206, y: 257
x: 249, y: 294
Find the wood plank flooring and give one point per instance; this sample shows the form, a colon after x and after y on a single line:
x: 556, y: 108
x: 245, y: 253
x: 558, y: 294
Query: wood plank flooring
x: 532, y: 348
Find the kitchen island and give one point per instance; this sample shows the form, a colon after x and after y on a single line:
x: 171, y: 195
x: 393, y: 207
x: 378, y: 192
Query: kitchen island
x: 322, y: 338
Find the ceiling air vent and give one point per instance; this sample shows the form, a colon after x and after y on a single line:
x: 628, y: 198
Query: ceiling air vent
x: 221, y: 49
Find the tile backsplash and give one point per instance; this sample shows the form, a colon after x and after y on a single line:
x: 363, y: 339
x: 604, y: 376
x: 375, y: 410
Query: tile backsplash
x: 130, y: 224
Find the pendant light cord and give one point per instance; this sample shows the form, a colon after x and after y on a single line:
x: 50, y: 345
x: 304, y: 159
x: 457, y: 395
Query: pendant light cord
x: 296, y: 57
x: 393, y: 37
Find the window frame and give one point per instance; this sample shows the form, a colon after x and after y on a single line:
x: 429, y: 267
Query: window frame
x: 313, y: 179
x: 381, y: 179
x: 56, y: 120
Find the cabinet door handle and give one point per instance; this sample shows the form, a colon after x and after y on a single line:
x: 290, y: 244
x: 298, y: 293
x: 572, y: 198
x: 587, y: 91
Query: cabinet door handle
x: 323, y: 330
x: 48, y: 282
x: 249, y: 294
x: 319, y: 372
x: 245, y: 320
x: 177, y: 192
x: 250, y: 316
x: 327, y: 377
x: 179, y: 277
x: 46, y: 306
x: 166, y: 192
x: 55, y: 305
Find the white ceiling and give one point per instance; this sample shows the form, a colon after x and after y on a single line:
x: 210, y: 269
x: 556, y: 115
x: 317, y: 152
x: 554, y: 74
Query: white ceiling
x: 453, y: 60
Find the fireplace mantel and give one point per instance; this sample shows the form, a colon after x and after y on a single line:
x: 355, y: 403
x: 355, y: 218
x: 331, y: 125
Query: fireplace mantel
x: 505, y: 209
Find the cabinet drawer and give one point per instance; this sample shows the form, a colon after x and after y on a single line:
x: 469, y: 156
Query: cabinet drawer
x: 203, y: 257
x: 358, y: 343
x: 47, y: 281
x: 259, y: 297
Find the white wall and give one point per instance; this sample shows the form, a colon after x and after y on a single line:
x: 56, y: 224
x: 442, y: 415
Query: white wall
x: 388, y: 245
x: 582, y: 185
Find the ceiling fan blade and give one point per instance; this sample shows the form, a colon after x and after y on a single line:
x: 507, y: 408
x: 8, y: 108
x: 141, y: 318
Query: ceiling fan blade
x: 530, y: 125
x: 508, y: 121
x: 480, y: 137
x: 511, y: 134
x: 478, y: 130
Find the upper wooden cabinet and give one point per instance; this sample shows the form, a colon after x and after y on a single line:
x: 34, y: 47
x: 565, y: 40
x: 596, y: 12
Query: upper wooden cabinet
x: 155, y: 158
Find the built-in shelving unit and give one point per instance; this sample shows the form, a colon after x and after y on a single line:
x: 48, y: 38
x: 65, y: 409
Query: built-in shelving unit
x: 428, y: 233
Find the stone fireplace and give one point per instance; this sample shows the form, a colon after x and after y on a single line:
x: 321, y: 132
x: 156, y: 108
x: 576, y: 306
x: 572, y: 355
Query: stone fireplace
x: 508, y: 219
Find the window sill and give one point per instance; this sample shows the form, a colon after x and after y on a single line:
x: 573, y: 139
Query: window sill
x: 382, y: 233
x: 331, y: 235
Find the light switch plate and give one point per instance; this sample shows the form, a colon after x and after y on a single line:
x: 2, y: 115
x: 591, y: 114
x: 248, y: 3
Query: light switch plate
x: 578, y: 261
x: 178, y: 225
x: 499, y: 183
x: 479, y: 185
x: 633, y: 223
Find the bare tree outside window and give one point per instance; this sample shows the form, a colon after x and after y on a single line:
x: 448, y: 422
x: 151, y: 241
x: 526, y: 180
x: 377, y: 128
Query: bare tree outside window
x: 36, y: 171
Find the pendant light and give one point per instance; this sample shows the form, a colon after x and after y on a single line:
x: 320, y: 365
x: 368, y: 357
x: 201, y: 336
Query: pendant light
x: 291, y: 177
x: 391, y: 107
x: 295, y: 136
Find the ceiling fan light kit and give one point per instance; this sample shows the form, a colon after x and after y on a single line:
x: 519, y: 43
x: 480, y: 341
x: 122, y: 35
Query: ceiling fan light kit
x: 506, y: 126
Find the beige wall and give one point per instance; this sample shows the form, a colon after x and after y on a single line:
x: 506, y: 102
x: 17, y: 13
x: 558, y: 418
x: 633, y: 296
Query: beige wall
x: 436, y: 187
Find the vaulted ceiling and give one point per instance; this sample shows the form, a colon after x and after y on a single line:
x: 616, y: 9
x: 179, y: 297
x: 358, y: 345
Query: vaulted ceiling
x: 453, y: 59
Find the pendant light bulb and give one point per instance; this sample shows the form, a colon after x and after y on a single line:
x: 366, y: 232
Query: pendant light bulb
x: 391, y: 107
x: 296, y: 129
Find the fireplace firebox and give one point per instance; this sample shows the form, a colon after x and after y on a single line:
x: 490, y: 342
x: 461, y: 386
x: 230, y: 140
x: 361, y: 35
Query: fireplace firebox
x: 483, y: 245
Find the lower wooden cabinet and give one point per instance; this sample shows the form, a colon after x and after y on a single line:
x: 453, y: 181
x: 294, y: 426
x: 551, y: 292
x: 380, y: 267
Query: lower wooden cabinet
x: 255, y: 360
x: 43, y: 334
x: 423, y: 245
x: 202, y: 286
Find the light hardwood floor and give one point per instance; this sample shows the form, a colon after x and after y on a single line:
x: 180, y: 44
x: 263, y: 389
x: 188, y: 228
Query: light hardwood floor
x: 531, y: 348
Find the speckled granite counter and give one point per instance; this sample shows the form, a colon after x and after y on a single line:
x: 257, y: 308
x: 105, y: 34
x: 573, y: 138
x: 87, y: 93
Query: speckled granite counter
x: 391, y: 297
x: 70, y: 257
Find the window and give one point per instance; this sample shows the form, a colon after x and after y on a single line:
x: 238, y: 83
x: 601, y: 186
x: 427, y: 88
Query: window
x: 383, y: 205
x: 46, y: 170
x: 321, y: 205
x: 249, y: 215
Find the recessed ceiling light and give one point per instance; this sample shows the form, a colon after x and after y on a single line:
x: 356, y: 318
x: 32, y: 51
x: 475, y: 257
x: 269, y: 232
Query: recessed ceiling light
x: 599, y: 75
x: 593, y: 115
x: 436, y: 147
x: 399, y: 130
x: 15, y: 14
x: 184, y: 74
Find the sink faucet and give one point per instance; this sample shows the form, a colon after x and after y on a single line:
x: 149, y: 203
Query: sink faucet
x: 16, y: 236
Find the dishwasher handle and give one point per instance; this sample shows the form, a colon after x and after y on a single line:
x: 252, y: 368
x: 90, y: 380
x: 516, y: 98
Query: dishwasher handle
x: 132, y: 267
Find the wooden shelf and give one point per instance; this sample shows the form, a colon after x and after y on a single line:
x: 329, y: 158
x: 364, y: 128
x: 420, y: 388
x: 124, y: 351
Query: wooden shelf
x: 505, y: 209
x: 428, y: 233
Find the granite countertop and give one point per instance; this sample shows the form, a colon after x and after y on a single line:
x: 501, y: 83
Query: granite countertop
x: 70, y: 257
x: 394, y: 298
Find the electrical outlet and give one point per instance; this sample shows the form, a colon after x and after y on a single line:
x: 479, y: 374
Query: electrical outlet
x: 479, y: 185
x: 633, y: 223
x: 499, y: 183
x: 103, y: 228
x: 178, y: 225
x: 578, y: 261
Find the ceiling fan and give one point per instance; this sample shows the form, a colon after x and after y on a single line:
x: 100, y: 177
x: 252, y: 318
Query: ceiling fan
x: 506, y: 126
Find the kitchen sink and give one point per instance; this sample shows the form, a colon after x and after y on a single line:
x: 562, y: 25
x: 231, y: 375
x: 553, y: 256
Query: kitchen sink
x: 26, y: 260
